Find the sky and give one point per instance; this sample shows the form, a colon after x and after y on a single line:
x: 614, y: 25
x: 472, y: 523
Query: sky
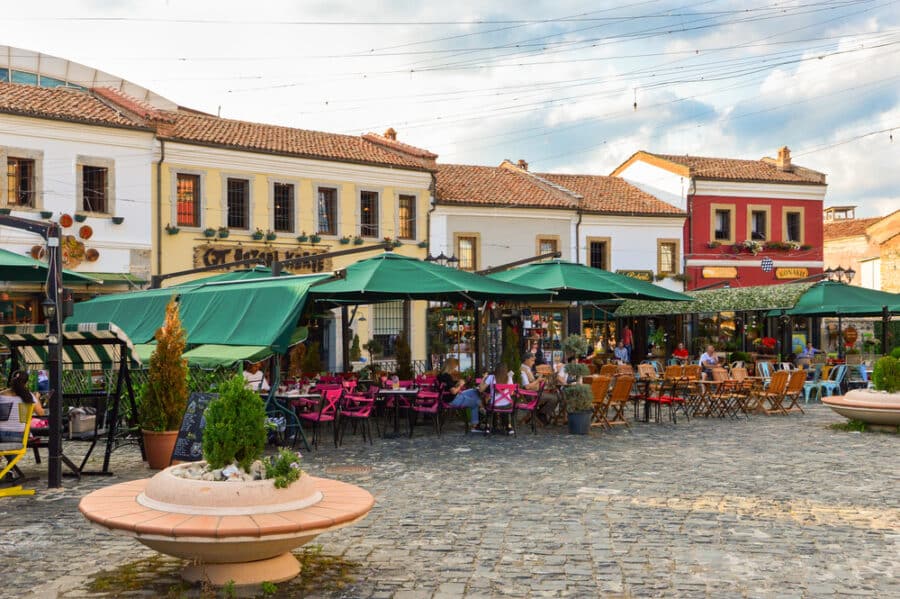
x: 568, y: 86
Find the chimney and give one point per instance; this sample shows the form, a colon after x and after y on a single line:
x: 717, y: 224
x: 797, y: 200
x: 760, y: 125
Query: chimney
x: 391, y: 134
x: 784, y: 160
x: 522, y: 164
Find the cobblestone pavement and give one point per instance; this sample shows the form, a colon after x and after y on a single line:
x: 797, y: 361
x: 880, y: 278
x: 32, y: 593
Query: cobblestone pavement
x: 766, y: 507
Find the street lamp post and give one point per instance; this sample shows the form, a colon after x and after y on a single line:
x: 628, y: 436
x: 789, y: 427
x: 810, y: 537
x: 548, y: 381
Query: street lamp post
x: 840, y: 274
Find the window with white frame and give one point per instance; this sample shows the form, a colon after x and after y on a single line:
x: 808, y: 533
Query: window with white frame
x: 21, y: 184
x: 187, y: 199
x: 407, y: 213
x: 283, y: 207
x: 368, y: 213
x: 327, y: 211
x: 467, y: 252
x: 238, y: 197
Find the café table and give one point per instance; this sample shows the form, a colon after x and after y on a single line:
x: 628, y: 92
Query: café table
x: 397, y: 395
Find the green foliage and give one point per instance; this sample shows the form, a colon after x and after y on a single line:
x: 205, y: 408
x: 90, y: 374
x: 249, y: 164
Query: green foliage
x: 355, y: 351
x: 895, y: 353
x: 283, y: 467
x: 312, y: 362
x: 739, y: 356
x: 579, y: 398
x: 165, y: 395
x: 658, y: 338
x: 269, y: 588
x: 575, y: 344
x: 575, y: 369
x: 404, y: 359
x: 228, y: 589
x: 886, y: 375
x: 235, y: 426
x: 374, y: 347
x: 511, y: 357
x: 851, y: 426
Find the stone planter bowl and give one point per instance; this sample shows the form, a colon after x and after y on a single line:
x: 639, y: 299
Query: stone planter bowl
x: 869, y: 406
x: 230, y: 531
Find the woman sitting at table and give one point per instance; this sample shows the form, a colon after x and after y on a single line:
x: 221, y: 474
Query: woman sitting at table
x: 17, y: 392
x: 453, y: 384
x: 255, y: 378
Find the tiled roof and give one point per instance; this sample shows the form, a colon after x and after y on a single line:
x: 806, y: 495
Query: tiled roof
x: 257, y: 137
x: 399, y: 146
x: 497, y: 186
x: 142, y: 109
x: 848, y: 228
x: 731, y: 169
x: 611, y: 195
x: 63, y: 104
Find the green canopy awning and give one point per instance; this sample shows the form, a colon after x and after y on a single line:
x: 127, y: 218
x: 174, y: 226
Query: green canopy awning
x: 144, y: 351
x: 249, y: 274
x: 392, y: 276
x: 85, y: 346
x: 732, y: 299
x: 25, y: 269
x: 213, y: 355
x: 116, y: 278
x: 829, y: 298
x: 138, y: 313
x: 577, y: 282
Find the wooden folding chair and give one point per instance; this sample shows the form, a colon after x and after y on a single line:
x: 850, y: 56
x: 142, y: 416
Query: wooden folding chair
x: 647, y: 371
x: 794, y: 391
x: 618, y: 399
x: 16, y: 416
x: 600, y: 389
x: 608, y: 370
x: 773, y: 395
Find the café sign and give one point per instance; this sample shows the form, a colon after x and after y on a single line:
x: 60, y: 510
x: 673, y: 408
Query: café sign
x: 719, y: 272
x: 792, y: 272
x: 218, y: 254
x: 640, y: 275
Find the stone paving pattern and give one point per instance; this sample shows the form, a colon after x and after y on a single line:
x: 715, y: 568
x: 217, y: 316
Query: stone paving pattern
x: 765, y: 507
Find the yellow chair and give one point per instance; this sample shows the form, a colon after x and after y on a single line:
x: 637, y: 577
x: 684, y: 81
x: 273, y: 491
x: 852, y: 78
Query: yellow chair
x: 14, y: 450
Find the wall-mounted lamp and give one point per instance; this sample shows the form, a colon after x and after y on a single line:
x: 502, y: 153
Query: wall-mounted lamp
x: 49, y: 307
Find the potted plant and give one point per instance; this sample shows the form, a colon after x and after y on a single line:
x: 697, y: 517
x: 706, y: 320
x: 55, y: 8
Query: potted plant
x: 117, y: 220
x: 355, y: 350
x: 271, y: 235
x: 374, y: 347
x: 879, y: 406
x: 46, y: 213
x: 303, y: 237
x: 80, y: 218
x: 579, y: 406
x: 403, y: 353
x: 423, y: 244
x: 357, y: 240
x: 658, y: 340
x: 315, y: 238
x: 576, y: 371
x: 164, y: 397
x: 311, y: 364
x: 223, y: 232
x: 713, y: 244
x: 345, y: 240
x: 258, y: 234
x: 209, y: 232
x: 169, y: 228
x: 5, y: 210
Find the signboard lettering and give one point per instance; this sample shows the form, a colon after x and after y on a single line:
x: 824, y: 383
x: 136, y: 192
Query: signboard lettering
x: 189, y: 445
x: 215, y: 255
x: 640, y: 275
x: 719, y: 272
x: 792, y: 272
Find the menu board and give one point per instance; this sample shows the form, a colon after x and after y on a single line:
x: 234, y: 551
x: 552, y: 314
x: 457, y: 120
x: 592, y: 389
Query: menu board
x: 189, y: 445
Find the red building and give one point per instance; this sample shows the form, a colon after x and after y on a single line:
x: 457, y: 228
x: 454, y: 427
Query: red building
x: 750, y: 222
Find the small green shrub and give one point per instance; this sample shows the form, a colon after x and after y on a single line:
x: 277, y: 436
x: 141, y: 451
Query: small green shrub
x: 374, y: 347
x: 895, y: 353
x: 575, y: 344
x: 851, y: 426
x: 164, y: 397
x: 579, y: 398
x: 355, y: 351
x: 739, y: 356
x: 574, y: 369
x: 269, y: 588
x: 886, y: 374
x: 404, y: 359
x: 511, y: 357
x: 312, y: 362
x: 283, y: 467
x: 235, y: 426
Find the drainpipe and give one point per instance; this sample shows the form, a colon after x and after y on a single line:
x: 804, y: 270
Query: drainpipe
x: 432, y: 189
x: 159, y: 225
x: 578, y: 238
x: 690, y: 223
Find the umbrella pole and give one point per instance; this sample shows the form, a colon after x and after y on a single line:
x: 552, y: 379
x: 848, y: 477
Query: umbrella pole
x: 477, y: 325
x: 885, y: 323
x: 840, y: 339
x: 345, y: 339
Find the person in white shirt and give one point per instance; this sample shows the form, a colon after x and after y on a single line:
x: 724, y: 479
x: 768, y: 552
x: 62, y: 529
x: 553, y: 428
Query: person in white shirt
x: 708, y: 361
x: 255, y: 378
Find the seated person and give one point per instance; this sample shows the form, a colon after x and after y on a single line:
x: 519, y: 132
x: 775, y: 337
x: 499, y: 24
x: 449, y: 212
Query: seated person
x: 561, y: 379
x: 806, y: 356
x: 463, y: 398
x: 680, y: 353
x: 708, y: 361
x: 547, y: 404
x: 255, y: 378
x: 17, y: 392
x: 621, y: 353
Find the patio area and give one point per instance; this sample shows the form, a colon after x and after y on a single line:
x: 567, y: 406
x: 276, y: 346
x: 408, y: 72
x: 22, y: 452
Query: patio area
x: 765, y: 507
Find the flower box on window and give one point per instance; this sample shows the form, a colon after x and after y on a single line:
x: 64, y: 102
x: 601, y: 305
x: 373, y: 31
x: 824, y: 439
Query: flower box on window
x: 271, y: 236
x: 357, y: 240
x: 258, y: 234
x: 345, y: 240
x: 303, y: 237
x: 172, y: 230
x: 315, y: 238
x: 223, y: 232
x: 210, y: 232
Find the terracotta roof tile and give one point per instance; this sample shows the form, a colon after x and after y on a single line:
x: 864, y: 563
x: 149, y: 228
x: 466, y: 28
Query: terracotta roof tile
x: 400, y: 146
x: 257, y: 137
x: 612, y: 195
x: 849, y: 228
x: 732, y: 169
x: 497, y: 186
x: 142, y: 109
x: 63, y: 104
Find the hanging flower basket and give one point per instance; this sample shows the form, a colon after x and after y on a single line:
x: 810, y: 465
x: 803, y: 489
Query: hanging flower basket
x: 80, y: 218
x: 85, y: 232
x: 303, y: 237
x: 315, y: 238
x: 118, y: 220
x: 210, y: 232
x: 258, y: 235
x: 223, y: 232
x: 345, y: 240
x: 65, y: 220
x: 357, y: 240
x: 46, y: 214
x: 271, y: 236
x: 172, y: 230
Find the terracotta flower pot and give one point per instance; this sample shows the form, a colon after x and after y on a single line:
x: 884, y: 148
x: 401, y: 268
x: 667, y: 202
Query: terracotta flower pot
x: 158, y: 447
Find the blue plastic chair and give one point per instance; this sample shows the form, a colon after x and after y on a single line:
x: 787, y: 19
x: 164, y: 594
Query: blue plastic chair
x: 832, y: 386
x: 809, y: 386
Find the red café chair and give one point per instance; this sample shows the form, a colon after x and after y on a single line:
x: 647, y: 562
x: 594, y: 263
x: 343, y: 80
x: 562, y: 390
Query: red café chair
x: 527, y: 401
x: 427, y: 401
x: 329, y: 407
x: 445, y: 407
x: 502, y: 400
x: 357, y: 408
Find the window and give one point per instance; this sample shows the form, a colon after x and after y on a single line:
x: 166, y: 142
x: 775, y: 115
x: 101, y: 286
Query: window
x: 407, y: 217
x: 546, y: 245
x: 667, y: 256
x: 327, y: 211
x: 20, y: 182
x: 187, y: 198
x: 758, y: 225
x: 723, y: 224
x: 793, y: 225
x: 283, y: 207
x: 94, y: 193
x: 467, y: 251
x: 238, y: 191
x: 598, y: 253
x: 388, y: 322
x: 368, y: 213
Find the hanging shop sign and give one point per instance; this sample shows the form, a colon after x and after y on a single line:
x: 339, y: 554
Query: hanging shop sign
x: 791, y: 272
x: 640, y: 275
x: 211, y: 254
x: 719, y: 272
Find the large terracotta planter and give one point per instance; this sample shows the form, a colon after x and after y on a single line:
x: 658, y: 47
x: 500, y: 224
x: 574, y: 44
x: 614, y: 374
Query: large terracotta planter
x: 869, y: 406
x: 158, y: 447
x: 229, y: 531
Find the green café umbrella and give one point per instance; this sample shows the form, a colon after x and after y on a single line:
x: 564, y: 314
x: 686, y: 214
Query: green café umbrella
x: 830, y: 298
x: 576, y: 282
x: 18, y: 268
x: 393, y: 277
